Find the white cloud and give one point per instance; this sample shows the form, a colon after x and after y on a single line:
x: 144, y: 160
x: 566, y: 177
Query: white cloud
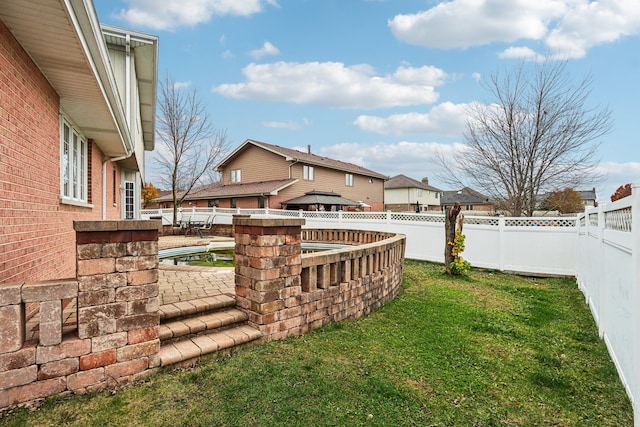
x: 291, y: 124
x: 171, y: 14
x: 444, y: 119
x: 476, y: 76
x: 465, y: 23
x: 568, y: 28
x: 522, y: 52
x: 616, y: 174
x: 266, y: 49
x: 413, y: 159
x: 589, y: 24
x: 181, y: 85
x: 333, y: 84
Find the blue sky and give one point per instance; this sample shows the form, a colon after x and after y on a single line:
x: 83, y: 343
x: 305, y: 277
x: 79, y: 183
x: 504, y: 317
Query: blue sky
x: 383, y: 83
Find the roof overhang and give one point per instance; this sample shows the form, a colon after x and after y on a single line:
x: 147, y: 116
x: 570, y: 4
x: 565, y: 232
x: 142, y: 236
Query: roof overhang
x: 64, y: 39
x: 145, y: 47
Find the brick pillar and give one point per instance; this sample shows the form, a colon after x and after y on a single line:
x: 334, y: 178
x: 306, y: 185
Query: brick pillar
x: 118, y: 305
x: 268, y: 267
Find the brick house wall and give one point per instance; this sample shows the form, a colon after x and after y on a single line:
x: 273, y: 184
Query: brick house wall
x: 36, y: 230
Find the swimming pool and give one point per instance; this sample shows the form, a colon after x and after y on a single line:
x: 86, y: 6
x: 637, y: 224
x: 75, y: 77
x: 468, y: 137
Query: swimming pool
x: 221, y: 254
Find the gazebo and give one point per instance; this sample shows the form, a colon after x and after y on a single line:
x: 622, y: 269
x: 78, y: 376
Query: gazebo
x: 320, y: 201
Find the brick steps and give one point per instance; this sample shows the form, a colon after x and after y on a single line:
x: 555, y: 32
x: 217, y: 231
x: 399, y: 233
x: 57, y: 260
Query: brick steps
x: 192, y: 329
x: 195, y: 307
x: 220, y: 320
x: 191, y: 349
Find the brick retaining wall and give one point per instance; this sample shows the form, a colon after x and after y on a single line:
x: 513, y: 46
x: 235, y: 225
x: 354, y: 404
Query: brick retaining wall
x: 116, y: 340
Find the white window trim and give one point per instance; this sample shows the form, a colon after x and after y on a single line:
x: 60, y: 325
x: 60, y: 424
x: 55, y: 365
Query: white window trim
x: 72, y: 196
x: 348, y: 179
x: 307, y: 173
x: 236, y: 175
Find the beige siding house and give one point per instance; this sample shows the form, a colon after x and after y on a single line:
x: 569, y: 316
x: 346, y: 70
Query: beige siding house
x: 257, y: 175
x: 404, y: 194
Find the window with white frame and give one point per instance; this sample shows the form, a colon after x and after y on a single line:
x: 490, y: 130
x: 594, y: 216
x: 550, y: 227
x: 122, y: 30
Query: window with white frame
x: 129, y: 200
x: 348, y: 179
x: 307, y: 173
x: 73, y: 163
x: 236, y: 176
x: 419, y: 192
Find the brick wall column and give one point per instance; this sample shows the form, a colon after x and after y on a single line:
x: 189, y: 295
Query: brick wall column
x: 118, y: 305
x: 268, y: 258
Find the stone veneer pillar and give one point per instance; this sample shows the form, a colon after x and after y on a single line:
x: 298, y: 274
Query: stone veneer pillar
x: 268, y: 257
x: 118, y: 304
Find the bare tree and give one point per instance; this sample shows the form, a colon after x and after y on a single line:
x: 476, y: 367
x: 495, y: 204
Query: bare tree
x: 190, y: 145
x: 538, y: 136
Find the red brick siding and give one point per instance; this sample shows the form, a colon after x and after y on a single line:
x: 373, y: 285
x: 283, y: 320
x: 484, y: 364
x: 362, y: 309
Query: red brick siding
x: 37, y: 241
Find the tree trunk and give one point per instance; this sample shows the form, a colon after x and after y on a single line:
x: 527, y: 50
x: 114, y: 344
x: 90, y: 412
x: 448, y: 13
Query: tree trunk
x: 450, y: 215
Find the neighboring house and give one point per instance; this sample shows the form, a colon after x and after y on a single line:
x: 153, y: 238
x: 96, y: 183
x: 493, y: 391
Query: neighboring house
x: 588, y: 197
x: 405, y: 194
x: 469, y: 199
x: 261, y: 175
x: 77, y: 112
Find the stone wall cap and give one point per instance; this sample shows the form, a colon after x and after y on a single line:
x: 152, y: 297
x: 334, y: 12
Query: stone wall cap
x: 10, y: 293
x: 125, y: 224
x: 269, y: 222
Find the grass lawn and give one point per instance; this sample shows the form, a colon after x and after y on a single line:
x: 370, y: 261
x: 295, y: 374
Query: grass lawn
x: 490, y: 349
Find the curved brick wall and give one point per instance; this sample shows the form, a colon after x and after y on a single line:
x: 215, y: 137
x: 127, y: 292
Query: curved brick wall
x: 288, y: 293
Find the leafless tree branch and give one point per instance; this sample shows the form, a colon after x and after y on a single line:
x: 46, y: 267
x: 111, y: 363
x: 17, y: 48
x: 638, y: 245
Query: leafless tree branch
x: 189, y: 144
x: 540, y: 135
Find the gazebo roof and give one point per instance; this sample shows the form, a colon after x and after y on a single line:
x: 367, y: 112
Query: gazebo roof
x: 321, y: 198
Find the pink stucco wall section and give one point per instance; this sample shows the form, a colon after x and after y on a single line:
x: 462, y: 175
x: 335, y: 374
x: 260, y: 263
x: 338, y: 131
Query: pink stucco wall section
x: 37, y: 241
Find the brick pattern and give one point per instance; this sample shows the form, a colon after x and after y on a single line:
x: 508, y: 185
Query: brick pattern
x: 118, y: 317
x: 286, y: 293
x: 36, y: 229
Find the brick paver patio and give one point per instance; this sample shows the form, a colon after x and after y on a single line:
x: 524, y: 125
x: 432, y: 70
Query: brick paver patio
x: 182, y: 283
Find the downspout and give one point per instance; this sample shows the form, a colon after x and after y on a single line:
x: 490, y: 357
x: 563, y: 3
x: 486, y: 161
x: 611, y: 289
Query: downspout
x: 127, y: 80
x: 127, y: 107
x: 104, y: 181
x: 294, y: 162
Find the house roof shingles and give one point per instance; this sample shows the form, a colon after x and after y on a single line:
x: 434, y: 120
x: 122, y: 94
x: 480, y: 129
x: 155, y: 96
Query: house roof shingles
x: 403, y: 181
x: 466, y: 196
x: 218, y: 190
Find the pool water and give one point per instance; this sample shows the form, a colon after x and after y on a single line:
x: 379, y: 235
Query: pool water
x: 220, y: 254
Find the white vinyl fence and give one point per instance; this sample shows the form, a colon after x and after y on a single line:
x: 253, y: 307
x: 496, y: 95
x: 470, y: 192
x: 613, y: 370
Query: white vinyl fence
x: 537, y: 246
x: 608, y: 266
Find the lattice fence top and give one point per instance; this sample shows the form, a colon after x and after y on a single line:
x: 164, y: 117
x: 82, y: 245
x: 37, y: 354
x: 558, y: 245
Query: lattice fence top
x: 618, y: 220
x: 363, y: 215
x: 316, y: 214
x: 293, y: 214
x: 416, y: 217
x: 540, y: 222
x: 481, y: 221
